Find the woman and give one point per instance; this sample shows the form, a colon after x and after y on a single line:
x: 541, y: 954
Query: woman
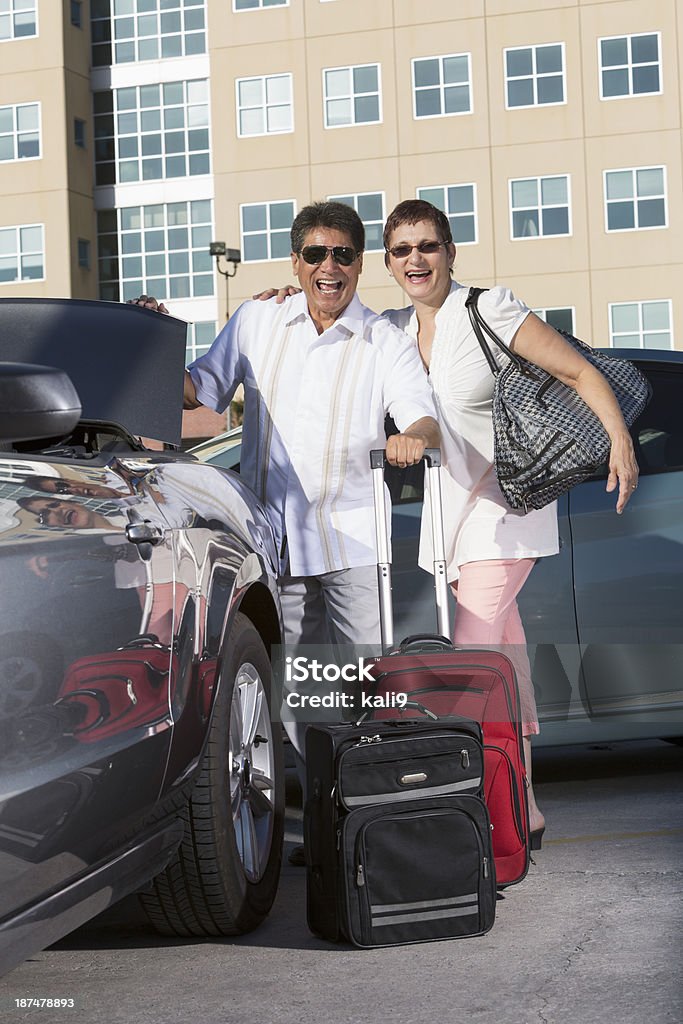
x: 490, y: 547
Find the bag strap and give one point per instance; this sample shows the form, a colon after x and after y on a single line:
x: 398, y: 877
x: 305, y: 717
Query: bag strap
x: 479, y: 326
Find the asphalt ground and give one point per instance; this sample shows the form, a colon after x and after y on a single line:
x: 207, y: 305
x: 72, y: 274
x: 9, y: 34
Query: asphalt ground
x: 594, y: 933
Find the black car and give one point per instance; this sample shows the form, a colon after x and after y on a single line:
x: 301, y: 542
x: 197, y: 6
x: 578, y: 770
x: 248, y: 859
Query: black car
x: 139, y: 621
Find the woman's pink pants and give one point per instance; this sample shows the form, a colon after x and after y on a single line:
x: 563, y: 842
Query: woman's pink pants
x: 487, y: 616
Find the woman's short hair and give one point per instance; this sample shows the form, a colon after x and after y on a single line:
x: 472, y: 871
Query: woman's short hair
x: 412, y: 211
x: 337, y: 216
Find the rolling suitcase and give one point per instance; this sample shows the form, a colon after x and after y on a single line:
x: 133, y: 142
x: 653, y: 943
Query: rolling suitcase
x: 397, y: 836
x: 477, y: 684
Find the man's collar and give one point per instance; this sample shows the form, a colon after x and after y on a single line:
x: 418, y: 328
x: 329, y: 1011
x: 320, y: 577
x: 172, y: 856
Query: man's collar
x: 351, y: 319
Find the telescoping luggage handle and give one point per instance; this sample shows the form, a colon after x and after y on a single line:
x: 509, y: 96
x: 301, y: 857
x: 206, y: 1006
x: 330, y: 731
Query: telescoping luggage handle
x: 432, y: 459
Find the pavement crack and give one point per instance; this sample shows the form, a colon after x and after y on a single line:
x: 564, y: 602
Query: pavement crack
x: 541, y: 1015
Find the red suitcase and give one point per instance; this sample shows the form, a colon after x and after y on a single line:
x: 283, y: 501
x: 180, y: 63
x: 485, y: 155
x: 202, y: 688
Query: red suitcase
x: 478, y: 684
x: 121, y: 690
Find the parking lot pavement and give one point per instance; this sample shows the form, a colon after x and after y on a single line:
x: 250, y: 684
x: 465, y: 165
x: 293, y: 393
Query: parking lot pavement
x: 592, y: 934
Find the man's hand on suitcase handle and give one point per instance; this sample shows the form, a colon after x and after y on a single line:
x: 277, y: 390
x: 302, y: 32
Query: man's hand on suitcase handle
x: 378, y: 459
x: 408, y: 448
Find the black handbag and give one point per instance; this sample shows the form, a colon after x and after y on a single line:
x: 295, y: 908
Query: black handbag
x: 546, y: 439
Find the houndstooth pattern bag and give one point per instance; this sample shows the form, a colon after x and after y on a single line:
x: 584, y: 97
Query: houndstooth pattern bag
x: 546, y: 439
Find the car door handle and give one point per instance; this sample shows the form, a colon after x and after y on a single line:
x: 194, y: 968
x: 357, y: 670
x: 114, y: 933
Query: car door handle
x: 145, y: 535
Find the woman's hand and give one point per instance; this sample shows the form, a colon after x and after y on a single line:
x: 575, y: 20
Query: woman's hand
x: 149, y: 302
x: 280, y: 293
x: 623, y: 468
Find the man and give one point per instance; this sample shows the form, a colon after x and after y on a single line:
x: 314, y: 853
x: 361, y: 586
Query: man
x: 320, y: 373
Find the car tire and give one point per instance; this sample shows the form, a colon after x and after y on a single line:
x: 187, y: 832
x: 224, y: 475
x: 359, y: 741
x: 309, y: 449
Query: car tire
x: 224, y: 876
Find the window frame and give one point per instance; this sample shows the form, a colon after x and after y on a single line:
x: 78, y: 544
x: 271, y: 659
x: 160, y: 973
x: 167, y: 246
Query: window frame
x: 640, y: 303
x: 264, y: 79
x: 183, y: 33
x: 163, y: 133
x: 14, y: 38
x: 18, y: 251
x: 78, y: 121
x: 441, y: 57
x: 192, y: 346
x: 535, y: 76
x: 128, y: 251
x: 633, y: 170
x: 475, y: 205
x: 260, y: 6
x: 352, y: 96
x: 267, y: 203
x: 542, y: 313
x: 359, y: 195
x: 14, y: 107
x: 630, y: 94
x: 84, y: 253
x: 539, y: 178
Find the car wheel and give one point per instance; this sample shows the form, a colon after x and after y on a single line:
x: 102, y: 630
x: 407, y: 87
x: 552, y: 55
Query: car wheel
x: 224, y: 876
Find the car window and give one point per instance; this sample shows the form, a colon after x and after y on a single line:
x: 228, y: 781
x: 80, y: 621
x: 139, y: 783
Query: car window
x: 658, y: 433
x: 227, y: 458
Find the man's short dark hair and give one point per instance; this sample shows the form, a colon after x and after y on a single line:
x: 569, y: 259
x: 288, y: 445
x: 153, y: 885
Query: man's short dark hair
x: 338, y: 216
x: 413, y: 211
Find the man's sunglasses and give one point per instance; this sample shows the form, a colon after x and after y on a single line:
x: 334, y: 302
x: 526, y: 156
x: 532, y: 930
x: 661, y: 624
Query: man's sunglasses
x: 60, y: 487
x: 344, y: 255
x: 401, y: 252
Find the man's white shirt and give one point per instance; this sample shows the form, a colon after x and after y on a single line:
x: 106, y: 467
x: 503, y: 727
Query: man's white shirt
x: 314, y: 407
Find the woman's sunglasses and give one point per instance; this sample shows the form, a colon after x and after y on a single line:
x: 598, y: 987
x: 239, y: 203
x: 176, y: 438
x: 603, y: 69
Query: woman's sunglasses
x: 344, y: 255
x: 401, y: 252
x: 43, y: 516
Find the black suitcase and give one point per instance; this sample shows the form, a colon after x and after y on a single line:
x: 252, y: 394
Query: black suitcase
x: 397, y: 836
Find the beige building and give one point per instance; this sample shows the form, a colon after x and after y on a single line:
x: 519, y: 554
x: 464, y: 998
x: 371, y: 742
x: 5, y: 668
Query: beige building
x: 133, y: 133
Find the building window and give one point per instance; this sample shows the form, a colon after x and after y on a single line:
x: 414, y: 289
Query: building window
x: 540, y: 207
x: 77, y: 13
x: 252, y: 5
x: 442, y: 85
x: 79, y: 133
x: 137, y: 30
x: 635, y: 198
x: 264, y: 105
x: 20, y: 132
x: 534, y: 75
x: 84, y: 253
x: 18, y: 18
x: 561, y: 318
x: 200, y: 337
x: 148, y: 132
x: 458, y: 202
x: 22, y: 253
x: 265, y: 230
x: 370, y: 208
x: 352, y: 95
x: 160, y: 250
x: 641, y: 324
x: 629, y: 66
